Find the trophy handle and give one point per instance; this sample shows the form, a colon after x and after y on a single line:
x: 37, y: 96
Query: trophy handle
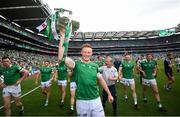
x: 63, y: 10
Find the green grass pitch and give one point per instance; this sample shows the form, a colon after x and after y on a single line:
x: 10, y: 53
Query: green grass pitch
x: 33, y: 102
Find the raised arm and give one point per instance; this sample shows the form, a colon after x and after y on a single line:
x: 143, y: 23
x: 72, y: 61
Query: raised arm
x: 68, y: 61
x: 61, y: 47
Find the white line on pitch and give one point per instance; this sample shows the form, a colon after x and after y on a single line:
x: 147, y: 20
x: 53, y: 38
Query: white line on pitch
x: 23, y: 95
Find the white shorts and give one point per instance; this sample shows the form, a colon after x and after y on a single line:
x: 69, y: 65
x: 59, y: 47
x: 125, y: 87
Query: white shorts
x: 30, y: 74
x: 127, y: 82
x: 90, y: 108
x: 36, y: 71
x: 62, y: 82
x: 46, y: 84
x: 148, y: 82
x: 72, y: 86
x: 14, y: 90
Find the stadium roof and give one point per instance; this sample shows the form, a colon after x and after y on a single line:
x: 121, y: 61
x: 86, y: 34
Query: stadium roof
x: 115, y: 35
x: 26, y: 13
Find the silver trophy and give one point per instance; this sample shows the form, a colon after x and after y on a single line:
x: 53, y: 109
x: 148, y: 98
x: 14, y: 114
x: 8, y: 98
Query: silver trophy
x: 64, y: 20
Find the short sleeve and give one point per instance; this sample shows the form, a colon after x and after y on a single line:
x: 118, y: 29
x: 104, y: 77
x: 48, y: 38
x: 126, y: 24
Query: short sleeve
x: 18, y: 68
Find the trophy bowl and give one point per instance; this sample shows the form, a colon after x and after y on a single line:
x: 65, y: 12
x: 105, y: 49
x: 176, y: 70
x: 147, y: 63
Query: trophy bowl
x: 64, y: 22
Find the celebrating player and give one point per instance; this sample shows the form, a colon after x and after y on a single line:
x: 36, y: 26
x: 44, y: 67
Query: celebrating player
x: 46, y: 78
x: 13, y: 76
x: 126, y: 77
x: 62, y: 80
x: 86, y: 73
x: 148, y: 68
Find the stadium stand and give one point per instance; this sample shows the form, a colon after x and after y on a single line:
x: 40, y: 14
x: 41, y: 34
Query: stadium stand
x: 26, y: 13
x: 19, y: 19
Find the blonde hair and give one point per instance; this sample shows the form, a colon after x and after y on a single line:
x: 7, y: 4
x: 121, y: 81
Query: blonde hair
x: 86, y: 45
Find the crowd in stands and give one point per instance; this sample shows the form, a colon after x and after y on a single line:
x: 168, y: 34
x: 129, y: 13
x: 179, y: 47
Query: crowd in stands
x: 35, y: 58
x: 30, y: 59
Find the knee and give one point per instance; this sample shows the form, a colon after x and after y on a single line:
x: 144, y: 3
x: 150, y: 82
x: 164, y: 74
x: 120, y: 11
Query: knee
x: 7, y: 106
x: 133, y: 90
x: 18, y: 104
x: 72, y: 95
x: 63, y: 92
x: 156, y: 92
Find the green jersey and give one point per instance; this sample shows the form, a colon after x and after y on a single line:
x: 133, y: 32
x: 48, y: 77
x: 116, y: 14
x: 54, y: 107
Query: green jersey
x: 148, y: 67
x: 127, y: 69
x: 100, y: 63
x: 1, y: 68
x: 11, y: 74
x: 62, y: 71
x: 46, y: 73
x: 86, y: 80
